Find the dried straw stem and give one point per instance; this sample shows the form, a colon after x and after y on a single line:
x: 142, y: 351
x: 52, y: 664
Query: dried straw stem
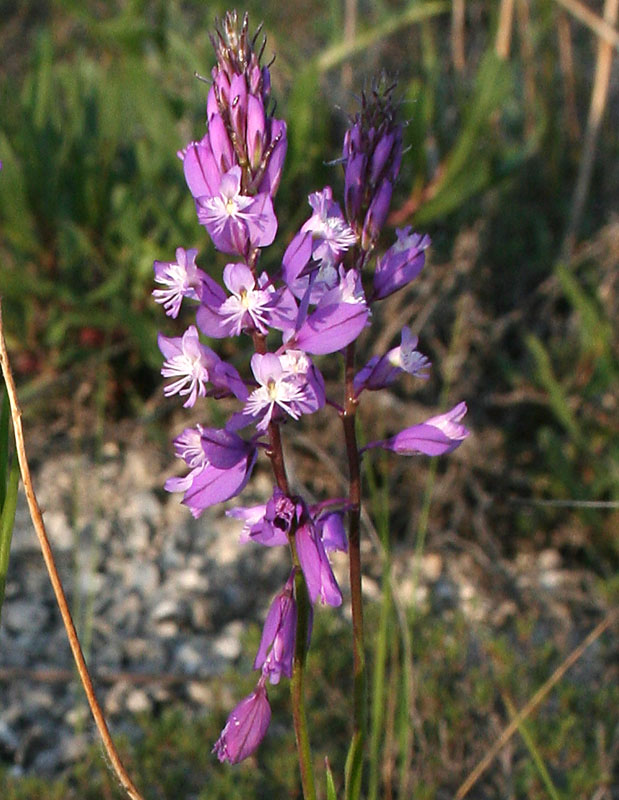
x: 604, y: 28
x: 39, y: 526
x: 533, y: 703
x: 504, y: 29
x: 599, y: 96
x: 457, y: 35
x: 566, y: 59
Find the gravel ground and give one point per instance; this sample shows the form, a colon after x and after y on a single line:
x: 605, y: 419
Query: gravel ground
x: 162, y: 600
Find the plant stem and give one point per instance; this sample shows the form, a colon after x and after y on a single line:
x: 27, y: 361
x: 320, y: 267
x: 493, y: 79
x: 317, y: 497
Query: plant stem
x: 354, y: 762
x: 297, y: 683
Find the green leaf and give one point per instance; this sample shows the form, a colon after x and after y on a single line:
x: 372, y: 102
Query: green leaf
x: 4, y: 444
x: 557, y: 398
x: 7, y: 520
x: 331, y: 795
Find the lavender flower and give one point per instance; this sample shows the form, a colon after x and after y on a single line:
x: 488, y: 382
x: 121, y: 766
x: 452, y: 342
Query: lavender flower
x: 401, y: 263
x: 372, y: 155
x: 381, y: 371
x: 314, y: 306
x: 252, y: 306
x: 331, y: 234
x: 220, y: 472
x: 246, y: 726
x: 193, y: 364
x: 235, y: 221
x: 339, y: 317
x: 434, y: 437
x: 182, y: 279
x: 276, y: 649
x: 281, y: 386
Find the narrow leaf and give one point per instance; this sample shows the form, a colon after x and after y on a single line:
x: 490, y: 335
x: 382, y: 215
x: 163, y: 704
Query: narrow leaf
x: 7, y: 520
x: 4, y: 444
x: 331, y: 795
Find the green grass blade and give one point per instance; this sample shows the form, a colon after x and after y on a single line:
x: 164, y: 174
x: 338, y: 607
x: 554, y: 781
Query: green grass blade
x: 4, y: 444
x: 556, y: 395
x: 331, y: 794
x: 535, y: 754
x: 7, y: 519
x: 416, y: 12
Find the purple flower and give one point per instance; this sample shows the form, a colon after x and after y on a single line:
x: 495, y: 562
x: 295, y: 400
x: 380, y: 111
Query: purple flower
x: 252, y: 518
x: 276, y: 650
x: 269, y: 524
x: 252, y: 305
x: 300, y: 369
x: 203, y: 169
x: 240, y: 96
x: 281, y: 386
x: 188, y: 446
x: 245, y: 728
x: 434, y: 437
x: 220, y: 472
x: 313, y: 254
x: 331, y: 234
x: 182, y: 279
x: 319, y: 577
x: 401, y: 263
x: 339, y: 317
x: 193, y: 364
x: 332, y: 532
x: 372, y: 155
x: 234, y: 220
x: 188, y: 361
x: 380, y: 371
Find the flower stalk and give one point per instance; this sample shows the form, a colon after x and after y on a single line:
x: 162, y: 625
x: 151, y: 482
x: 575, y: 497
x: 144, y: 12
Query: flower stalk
x: 354, y: 763
x: 319, y: 303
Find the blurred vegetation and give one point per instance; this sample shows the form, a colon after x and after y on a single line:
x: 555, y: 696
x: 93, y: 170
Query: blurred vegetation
x: 461, y: 698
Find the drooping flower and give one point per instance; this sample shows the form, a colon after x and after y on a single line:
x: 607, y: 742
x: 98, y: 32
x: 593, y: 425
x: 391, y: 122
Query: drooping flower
x: 434, y: 437
x: 319, y: 577
x: 246, y: 726
x: 276, y: 650
x: 218, y: 473
x: 330, y: 528
x: 380, y: 371
x: 401, y: 263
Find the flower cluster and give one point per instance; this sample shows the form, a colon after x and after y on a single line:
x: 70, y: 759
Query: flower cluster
x: 315, y: 305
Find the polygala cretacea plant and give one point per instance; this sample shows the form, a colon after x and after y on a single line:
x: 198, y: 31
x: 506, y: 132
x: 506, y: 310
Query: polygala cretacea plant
x: 316, y: 304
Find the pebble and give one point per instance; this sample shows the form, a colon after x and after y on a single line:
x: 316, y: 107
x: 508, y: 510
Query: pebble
x: 167, y: 594
x: 25, y: 616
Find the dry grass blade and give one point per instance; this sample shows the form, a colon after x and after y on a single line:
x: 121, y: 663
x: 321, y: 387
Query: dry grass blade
x: 528, y: 709
x: 39, y: 526
x: 566, y: 60
x: 457, y: 35
x: 599, y: 96
x: 504, y: 29
x: 603, y: 28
